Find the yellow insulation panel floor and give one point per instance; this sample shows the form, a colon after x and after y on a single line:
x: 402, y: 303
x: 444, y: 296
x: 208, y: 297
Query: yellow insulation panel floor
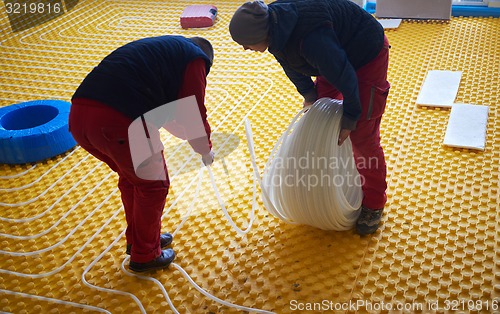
x: 62, y: 225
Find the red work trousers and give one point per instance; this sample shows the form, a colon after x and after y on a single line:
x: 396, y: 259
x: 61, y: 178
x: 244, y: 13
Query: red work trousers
x: 368, y: 153
x: 103, y: 132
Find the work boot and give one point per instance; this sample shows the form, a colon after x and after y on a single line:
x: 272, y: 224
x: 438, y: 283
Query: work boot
x: 368, y: 221
x: 163, y: 261
x: 165, y: 240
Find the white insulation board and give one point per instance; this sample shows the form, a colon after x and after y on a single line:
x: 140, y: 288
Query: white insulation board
x: 467, y: 126
x: 440, y: 88
x: 390, y: 23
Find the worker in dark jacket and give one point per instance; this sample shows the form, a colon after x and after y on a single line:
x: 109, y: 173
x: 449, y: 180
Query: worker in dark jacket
x: 116, y: 114
x: 345, y: 48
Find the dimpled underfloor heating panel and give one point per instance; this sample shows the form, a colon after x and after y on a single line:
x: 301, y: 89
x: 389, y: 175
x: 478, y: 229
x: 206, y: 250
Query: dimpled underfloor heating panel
x: 62, y: 244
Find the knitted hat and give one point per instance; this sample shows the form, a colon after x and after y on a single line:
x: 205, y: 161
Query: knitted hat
x: 250, y: 23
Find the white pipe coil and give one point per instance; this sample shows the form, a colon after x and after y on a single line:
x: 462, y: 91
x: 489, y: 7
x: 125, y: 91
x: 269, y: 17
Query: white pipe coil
x: 309, y: 179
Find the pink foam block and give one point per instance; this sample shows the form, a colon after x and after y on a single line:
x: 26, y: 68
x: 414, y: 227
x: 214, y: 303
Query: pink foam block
x: 197, y: 16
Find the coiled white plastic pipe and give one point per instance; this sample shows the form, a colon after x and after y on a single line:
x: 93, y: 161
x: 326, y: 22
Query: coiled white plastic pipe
x: 310, y: 179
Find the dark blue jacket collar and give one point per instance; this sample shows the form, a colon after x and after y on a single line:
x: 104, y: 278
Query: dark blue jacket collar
x: 283, y: 19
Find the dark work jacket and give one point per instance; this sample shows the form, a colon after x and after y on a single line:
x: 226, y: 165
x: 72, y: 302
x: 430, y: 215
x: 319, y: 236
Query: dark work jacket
x: 329, y: 38
x: 142, y: 75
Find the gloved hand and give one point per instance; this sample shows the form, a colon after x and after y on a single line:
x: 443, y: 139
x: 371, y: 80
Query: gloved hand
x: 208, y: 159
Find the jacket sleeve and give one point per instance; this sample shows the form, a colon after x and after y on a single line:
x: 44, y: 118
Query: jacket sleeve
x: 194, y: 83
x: 322, y: 50
x: 303, y: 83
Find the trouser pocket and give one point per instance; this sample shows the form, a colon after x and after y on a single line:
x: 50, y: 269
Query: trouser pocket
x: 377, y: 100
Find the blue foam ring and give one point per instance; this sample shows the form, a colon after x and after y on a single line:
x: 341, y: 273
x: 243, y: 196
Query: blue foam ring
x: 34, y: 130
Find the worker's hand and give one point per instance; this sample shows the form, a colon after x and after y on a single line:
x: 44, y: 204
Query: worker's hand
x: 208, y: 159
x: 307, y: 103
x: 344, y: 134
